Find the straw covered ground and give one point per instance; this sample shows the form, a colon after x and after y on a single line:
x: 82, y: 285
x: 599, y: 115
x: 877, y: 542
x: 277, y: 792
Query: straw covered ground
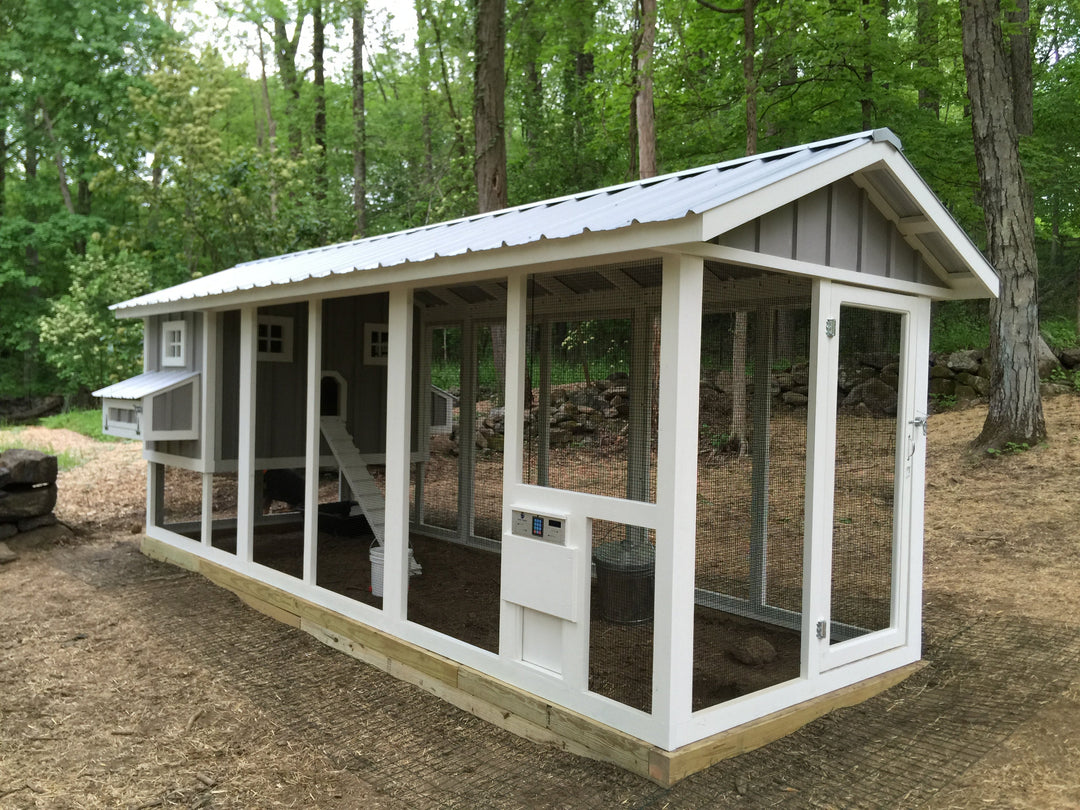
x: 129, y: 684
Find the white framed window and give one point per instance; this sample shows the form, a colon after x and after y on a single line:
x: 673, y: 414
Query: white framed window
x: 174, y: 343
x: 275, y: 338
x: 376, y: 344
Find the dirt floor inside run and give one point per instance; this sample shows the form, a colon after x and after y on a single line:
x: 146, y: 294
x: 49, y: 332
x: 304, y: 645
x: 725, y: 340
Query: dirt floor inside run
x: 125, y: 683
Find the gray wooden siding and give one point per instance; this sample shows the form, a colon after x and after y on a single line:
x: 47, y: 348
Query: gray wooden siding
x: 281, y: 387
x: 172, y: 410
x: 839, y: 227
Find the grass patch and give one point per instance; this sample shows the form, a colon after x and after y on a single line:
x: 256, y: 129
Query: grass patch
x: 11, y: 439
x: 87, y: 423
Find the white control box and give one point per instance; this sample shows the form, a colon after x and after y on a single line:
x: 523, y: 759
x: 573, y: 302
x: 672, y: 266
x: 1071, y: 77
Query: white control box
x: 549, y: 528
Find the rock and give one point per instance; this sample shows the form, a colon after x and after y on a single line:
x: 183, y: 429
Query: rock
x: 794, y: 399
x: 784, y: 381
x: 481, y: 441
x: 7, y: 530
x: 891, y: 369
x: 800, y: 374
x: 876, y: 360
x: 6, y: 554
x: 980, y: 385
x: 966, y: 360
x: 26, y: 467
x: 495, y: 442
x: 497, y: 415
x: 941, y: 372
x: 26, y: 502
x: 945, y: 388
x: 568, y: 407
x: 1070, y: 358
x: 618, y: 376
x: 753, y: 651
x: 560, y: 438
x: 611, y: 413
x: 45, y: 537
x: 29, y: 524
x: 558, y: 395
x: 965, y: 393
x: 1048, y: 362
x: 891, y: 380
x: 600, y: 385
x: 862, y: 411
x: 616, y: 391
x: 623, y: 409
x: 581, y: 397
x: 878, y: 397
x: 1053, y: 389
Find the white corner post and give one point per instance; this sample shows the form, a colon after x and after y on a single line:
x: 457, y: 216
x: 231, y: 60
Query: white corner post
x: 820, y: 463
x: 312, y: 438
x: 676, y: 493
x: 513, y: 441
x: 398, y: 443
x: 245, y: 460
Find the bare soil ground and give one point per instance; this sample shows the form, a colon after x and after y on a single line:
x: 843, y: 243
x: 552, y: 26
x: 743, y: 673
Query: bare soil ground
x: 124, y: 683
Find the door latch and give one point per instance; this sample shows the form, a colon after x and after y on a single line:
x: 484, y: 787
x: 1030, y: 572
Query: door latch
x: 830, y: 327
x: 822, y: 629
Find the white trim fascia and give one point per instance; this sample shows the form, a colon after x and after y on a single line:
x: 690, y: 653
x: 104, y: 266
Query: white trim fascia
x: 905, y: 174
x: 579, y: 250
x: 779, y: 264
x: 748, y: 207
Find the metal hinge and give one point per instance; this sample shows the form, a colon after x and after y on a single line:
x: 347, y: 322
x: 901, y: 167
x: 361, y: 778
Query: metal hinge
x: 822, y: 629
x: 830, y: 327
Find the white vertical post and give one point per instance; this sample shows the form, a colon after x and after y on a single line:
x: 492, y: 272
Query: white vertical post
x: 820, y: 464
x: 919, y: 321
x: 467, y: 432
x: 424, y: 422
x: 513, y: 440
x: 312, y: 439
x: 676, y: 496
x: 245, y: 460
x: 398, y: 443
x: 210, y: 421
x: 759, y: 476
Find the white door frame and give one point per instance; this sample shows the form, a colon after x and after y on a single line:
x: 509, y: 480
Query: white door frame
x: 906, y: 581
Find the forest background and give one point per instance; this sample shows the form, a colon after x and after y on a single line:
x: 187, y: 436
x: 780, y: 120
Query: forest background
x: 144, y: 144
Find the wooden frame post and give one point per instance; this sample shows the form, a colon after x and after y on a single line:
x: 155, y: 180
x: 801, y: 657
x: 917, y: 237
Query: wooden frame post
x: 312, y: 440
x: 676, y: 496
x: 398, y: 444
x: 245, y: 458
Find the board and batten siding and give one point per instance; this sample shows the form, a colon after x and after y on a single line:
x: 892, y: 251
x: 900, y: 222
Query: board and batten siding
x: 836, y: 226
x: 174, y: 407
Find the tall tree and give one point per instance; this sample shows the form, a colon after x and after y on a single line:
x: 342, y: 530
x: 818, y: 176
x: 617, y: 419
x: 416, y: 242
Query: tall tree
x: 285, y: 52
x: 359, y: 122
x: 318, y: 50
x: 644, y: 107
x: 1015, y: 413
x: 489, y: 105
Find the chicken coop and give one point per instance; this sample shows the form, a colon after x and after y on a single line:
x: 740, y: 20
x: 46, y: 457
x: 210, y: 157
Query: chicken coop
x: 637, y: 472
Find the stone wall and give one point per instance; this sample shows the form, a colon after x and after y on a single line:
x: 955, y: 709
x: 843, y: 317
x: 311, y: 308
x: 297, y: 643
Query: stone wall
x: 27, y: 498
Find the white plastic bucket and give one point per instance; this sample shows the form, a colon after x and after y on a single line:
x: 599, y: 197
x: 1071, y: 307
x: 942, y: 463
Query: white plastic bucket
x: 376, y: 554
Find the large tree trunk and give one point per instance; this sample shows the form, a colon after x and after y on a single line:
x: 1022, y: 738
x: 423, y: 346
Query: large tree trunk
x: 318, y: 48
x: 359, y: 123
x: 285, y: 53
x: 926, y: 35
x: 489, y: 91
x: 1015, y: 413
x: 271, y: 125
x: 646, y: 118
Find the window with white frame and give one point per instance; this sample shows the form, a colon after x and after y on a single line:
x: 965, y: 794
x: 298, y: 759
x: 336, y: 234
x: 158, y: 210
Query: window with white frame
x: 275, y: 338
x: 376, y: 344
x: 173, y: 343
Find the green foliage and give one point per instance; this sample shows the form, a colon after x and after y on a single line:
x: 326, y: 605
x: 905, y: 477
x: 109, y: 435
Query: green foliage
x: 1009, y: 449
x: 79, y: 336
x: 943, y: 402
x: 1059, y: 333
x: 958, y: 325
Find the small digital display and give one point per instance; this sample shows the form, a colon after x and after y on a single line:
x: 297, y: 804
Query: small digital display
x: 555, y: 524
x: 538, y: 526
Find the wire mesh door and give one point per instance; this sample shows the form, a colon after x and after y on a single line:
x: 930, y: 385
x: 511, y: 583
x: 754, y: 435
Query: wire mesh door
x: 873, y: 341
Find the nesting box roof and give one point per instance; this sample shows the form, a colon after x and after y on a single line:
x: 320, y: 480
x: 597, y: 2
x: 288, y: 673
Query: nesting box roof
x: 678, y: 210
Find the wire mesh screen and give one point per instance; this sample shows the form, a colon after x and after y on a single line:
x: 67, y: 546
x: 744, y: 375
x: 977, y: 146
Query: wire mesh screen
x: 181, y: 500
x: 751, y: 487
x: 864, y: 493
x: 621, y: 627
x: 440, y: 472
x: 489, y: 420
x: 593, y: 345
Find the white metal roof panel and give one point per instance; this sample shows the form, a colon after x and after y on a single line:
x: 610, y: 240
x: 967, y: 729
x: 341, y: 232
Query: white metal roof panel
x: 146, y: 384
x: 661, y: 199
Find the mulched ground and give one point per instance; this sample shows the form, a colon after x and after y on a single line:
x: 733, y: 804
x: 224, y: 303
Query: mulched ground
x: 987, y: 675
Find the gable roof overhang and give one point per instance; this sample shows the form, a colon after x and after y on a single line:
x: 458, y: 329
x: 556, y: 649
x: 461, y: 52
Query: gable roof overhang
x: 680, y: 212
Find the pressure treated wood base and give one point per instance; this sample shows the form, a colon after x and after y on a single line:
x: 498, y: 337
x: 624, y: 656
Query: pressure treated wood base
x: 507, y: 706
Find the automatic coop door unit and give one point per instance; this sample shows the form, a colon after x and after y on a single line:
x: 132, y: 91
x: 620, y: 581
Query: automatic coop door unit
x: 540, y: 527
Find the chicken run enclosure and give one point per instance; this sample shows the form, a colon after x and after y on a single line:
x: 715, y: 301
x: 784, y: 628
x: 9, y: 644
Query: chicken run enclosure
x: 631, y: 504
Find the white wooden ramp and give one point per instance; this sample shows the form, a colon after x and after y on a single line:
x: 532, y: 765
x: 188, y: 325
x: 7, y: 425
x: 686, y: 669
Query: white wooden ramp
x: 369, y: 497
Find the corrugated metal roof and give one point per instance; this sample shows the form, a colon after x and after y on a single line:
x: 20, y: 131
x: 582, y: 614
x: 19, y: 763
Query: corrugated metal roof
x: 660, y: 199
x: 146, y: 384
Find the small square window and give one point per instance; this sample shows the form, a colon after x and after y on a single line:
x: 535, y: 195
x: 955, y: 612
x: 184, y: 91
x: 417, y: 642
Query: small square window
x: 173, y: 343
x: 376, y: 344
x: 274, y: 338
